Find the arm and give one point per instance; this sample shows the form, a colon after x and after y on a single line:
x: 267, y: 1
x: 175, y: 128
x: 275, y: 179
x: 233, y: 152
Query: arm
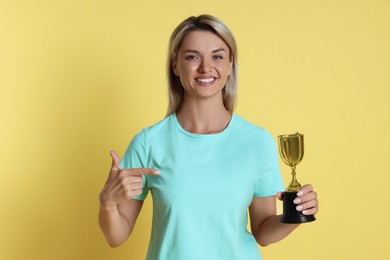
x: 118, y: 211
x: 118, y: 222
x: 265, y: 224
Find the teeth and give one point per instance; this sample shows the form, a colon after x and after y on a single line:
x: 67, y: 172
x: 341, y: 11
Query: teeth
x: 205, y: 80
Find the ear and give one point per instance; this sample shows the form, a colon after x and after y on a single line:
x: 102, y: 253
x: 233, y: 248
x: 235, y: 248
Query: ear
x: 230, y: 67
x: 174, y: 67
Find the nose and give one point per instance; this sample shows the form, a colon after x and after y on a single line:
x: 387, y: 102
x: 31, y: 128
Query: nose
x: 205, y: 66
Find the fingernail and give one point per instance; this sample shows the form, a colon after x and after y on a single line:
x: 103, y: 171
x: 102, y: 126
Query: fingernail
x: 304, y: 212
x: 299, y: 208
x: 300, y: 193
x: 297, y: 201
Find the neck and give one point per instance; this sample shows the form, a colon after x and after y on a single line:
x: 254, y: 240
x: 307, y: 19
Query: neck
x: 203, y: 116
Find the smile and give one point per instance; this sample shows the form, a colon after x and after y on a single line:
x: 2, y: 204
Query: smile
x: 205, y: 80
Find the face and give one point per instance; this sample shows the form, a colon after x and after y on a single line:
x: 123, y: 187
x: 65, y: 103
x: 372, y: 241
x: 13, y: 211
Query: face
x: 203, y: 64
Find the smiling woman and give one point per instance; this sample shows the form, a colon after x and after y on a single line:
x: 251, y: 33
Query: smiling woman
x: 203, y: 66
x: 204, y: 165
x: 216, y: 28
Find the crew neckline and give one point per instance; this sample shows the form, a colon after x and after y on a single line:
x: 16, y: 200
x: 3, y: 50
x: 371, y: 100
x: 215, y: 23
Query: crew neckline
x: 178, y: 125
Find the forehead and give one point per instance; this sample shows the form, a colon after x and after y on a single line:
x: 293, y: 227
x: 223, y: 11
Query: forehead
x: 203, y: 41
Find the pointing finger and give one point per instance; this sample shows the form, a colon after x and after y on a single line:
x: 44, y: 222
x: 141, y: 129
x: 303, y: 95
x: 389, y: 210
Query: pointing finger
x: 144, y: 171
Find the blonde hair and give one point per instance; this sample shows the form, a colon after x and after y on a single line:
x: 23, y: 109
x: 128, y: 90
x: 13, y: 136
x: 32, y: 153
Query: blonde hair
x: 201, y: 23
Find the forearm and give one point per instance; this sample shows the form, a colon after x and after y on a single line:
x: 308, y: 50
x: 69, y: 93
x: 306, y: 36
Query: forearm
x: 113, y: 225
x: 272, y: 230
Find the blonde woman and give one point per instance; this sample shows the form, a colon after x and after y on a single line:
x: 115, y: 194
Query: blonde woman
x: 203, y: 165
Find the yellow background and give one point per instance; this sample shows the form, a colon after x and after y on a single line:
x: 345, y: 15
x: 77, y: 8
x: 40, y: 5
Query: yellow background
x: 78, y: 78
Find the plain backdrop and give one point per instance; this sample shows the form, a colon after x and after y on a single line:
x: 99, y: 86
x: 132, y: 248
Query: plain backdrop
x: 78, y: 78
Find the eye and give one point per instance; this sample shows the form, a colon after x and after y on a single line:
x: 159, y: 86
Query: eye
x: 191, y: 57
x: 218, y: 57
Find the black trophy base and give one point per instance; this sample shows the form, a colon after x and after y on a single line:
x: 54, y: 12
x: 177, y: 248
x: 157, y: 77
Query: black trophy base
x: 290, y: 213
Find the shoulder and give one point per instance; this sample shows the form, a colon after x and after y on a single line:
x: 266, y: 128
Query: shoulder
x: 159, y: 126
x: 141, y: 141
x: 252, y: 130
x: 156, y: 130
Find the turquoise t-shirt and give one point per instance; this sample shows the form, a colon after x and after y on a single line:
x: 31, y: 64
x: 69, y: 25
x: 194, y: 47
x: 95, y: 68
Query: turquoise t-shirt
x: 205, y: 186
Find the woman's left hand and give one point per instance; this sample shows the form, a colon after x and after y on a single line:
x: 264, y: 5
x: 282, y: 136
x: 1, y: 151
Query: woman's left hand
x: 306, y: 201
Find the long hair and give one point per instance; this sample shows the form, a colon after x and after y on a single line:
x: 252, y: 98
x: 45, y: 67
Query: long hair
x: 201, y: 23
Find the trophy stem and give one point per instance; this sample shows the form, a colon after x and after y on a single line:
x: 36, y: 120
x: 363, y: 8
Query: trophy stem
x: 294, y: 185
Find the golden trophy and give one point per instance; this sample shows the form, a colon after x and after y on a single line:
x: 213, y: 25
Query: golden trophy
x: 291, y: 151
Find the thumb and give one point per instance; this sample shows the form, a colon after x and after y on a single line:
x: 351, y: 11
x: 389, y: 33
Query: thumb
x: 115, y: 161
x: 279, y: 195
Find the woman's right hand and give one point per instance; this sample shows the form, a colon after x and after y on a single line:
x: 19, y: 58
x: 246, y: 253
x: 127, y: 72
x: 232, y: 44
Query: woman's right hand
x: 122, y: 184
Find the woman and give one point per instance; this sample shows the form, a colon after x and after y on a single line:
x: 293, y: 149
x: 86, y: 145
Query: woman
x: 204, y: 165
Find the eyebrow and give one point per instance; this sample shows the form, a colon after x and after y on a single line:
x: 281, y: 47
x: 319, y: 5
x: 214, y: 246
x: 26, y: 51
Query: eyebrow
x: 214, y: 51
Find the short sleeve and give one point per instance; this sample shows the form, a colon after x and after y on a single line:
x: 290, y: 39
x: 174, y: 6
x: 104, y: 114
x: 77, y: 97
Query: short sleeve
x: 270, y: 180
x: 134, y: 157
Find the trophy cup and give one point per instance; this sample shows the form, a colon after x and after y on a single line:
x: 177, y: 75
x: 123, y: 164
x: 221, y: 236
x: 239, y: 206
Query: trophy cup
x: 291, y: 152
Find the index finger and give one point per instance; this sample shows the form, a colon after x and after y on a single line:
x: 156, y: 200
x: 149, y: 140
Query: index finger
x: 305, y: 189
x: 144, y: 171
